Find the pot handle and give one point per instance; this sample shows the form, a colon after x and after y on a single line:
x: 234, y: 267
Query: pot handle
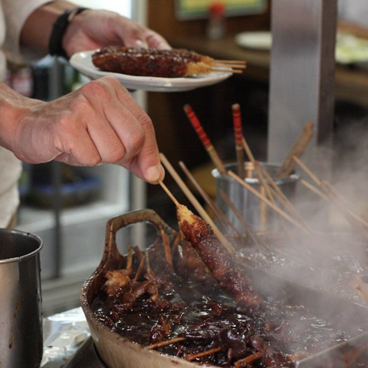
x: 111, y: 251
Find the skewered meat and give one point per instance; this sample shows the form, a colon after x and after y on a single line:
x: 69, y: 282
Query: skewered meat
x: 151, y: 62
x: 213, y: 254
x: 117, y: 280
x: 191, y: 266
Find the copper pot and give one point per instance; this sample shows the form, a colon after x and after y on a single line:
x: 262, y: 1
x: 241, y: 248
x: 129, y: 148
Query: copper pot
x: 118, y: 352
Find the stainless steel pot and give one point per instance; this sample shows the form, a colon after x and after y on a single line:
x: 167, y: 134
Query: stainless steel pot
x: 20, y: 300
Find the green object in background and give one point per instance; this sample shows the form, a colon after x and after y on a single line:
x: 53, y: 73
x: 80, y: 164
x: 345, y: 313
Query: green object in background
x: 195, y: 9
x: 351, y: 49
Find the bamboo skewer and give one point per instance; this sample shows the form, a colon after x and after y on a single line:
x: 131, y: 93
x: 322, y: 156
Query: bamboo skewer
x: 248, y: 360
x: 247, y: 227
x: 325, y: 188
x: 227, y: 70
x: 204, y: 353
x: 260, y: 171
x: 166, y: 189
x: 257, y: 169
x: 307, y: 170
x: 129, y: 258
x: 228, y: 65
x: 281, y: 196
x: 343, y: 202
x: 148, y: 266
x: 335, y: 201
x: 167, y: 249
x: 196, y: 204
x: 140, y: 269
x: 297, y: 150
x: 248, y: 151
x: 238, y: 132
x: 313, y: 189
x: 165, y: 343
x: 335, y: 192
x: 264, y: 199
x: 240, y: 62
x: 221, y: 217
x: 176, y: 242
x: 231, y: 61
x: 271, y: 195
x: 204, y: 139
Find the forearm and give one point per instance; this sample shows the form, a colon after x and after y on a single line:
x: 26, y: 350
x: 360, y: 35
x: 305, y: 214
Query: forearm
x: 37, y: 29
x: 12, y: 107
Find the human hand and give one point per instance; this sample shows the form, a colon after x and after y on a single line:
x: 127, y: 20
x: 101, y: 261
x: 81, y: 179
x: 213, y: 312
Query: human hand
x: 94, y: 29
x: 98, y: 123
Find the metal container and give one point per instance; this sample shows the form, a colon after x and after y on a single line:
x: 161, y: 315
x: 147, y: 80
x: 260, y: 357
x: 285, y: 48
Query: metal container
x: 20, y: 302
x: 252, y: 209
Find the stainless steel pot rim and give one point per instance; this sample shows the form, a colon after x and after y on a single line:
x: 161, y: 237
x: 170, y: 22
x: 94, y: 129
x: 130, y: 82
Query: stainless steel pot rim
x: 26, y: 256
x: 290, y: 179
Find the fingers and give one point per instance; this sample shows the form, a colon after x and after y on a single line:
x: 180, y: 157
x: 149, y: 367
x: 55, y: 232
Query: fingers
x: 135, y: 35
x: 154, y: 40
x: 99, y: 123
x: 115, y: 129
x: 146, y: 163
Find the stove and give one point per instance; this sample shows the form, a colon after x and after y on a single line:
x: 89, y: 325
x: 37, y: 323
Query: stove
x: 85, y: 356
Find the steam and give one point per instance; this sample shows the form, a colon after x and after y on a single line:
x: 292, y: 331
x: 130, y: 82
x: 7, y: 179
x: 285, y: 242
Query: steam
x: 334, y: 259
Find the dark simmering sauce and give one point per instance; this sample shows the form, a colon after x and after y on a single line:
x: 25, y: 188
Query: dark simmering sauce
x: 206, y: 317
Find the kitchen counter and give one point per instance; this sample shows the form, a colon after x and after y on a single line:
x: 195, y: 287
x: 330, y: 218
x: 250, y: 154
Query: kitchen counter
x: 351, y: 81
x: 63, y: 334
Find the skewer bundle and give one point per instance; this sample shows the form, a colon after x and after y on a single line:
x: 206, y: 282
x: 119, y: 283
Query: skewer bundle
x: 297, y: 150
x: 325, y: 190
x: 270, y: 192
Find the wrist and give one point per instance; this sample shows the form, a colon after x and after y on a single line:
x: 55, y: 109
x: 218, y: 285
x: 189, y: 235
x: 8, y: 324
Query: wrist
x: 56, y: 45
x: 13, y: 107
x: 11, y: 110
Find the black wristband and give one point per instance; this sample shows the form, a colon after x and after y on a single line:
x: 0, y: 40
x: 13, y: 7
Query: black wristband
x: 58, y: 31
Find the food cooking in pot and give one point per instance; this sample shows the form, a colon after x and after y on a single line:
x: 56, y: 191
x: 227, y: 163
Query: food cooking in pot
x: 215, y: 316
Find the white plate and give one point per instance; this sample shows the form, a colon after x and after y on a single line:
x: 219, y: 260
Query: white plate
x: 82, y: 61
x: 254, y: 40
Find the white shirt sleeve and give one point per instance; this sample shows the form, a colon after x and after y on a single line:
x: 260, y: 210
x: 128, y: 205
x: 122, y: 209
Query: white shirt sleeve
x: 16, y: 13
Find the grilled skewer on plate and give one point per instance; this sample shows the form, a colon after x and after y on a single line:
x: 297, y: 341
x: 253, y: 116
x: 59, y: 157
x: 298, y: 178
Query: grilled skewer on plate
x: 174, y: 63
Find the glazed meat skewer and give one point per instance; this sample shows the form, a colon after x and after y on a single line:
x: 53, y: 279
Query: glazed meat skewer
x: 216, y: 258
x: 157, y: 63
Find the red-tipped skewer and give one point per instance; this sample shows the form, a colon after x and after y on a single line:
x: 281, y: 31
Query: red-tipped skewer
x: 204, y: 139
x: 238, y: 132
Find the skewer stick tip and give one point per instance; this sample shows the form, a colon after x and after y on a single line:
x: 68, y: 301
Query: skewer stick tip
x: 186, y: 108
x: 166, y: 189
